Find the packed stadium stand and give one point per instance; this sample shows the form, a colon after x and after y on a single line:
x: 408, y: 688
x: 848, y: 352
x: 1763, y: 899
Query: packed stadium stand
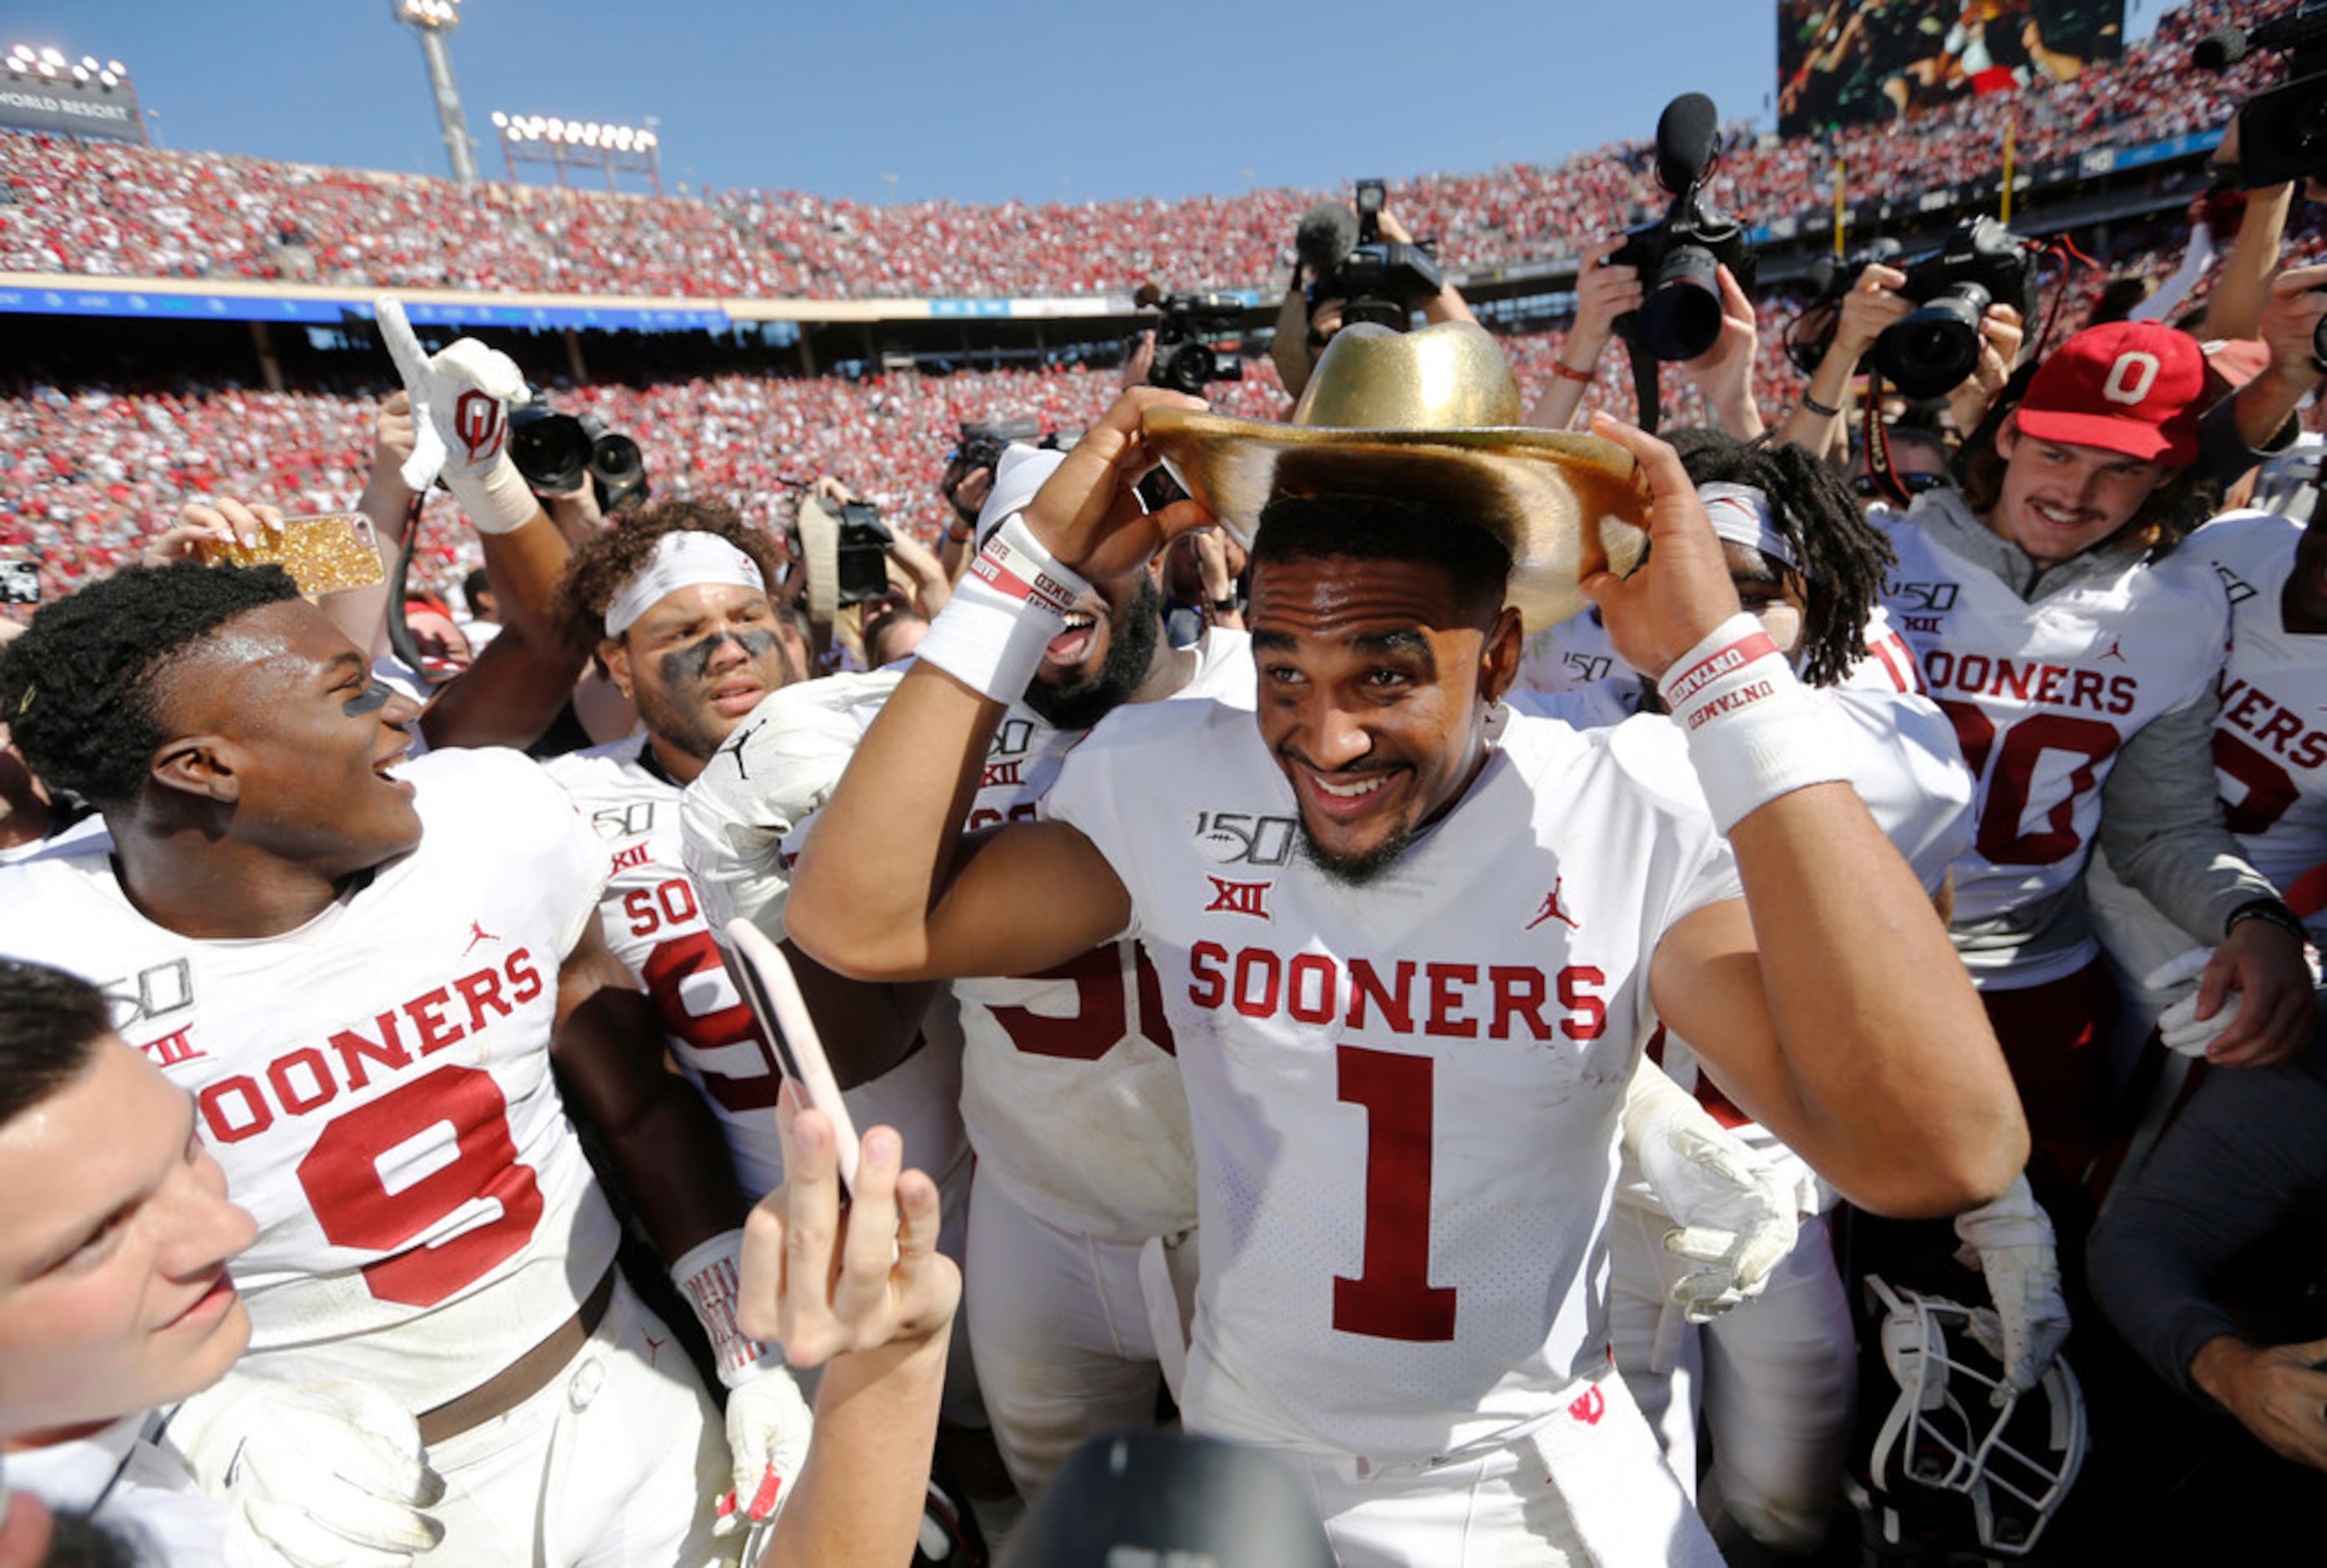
x: 88, y: 464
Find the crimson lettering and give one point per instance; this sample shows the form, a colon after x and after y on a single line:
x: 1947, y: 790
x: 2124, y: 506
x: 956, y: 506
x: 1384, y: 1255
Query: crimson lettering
x: 234, y: 1109
x: 299, y: 1098
x: 1506, y: 1001
x: 307, y: 1078
x: 1311, y: 985
x: 1979, y: 674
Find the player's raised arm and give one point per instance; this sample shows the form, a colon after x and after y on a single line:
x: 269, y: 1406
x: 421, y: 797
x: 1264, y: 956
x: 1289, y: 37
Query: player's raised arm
x: 1831, y: 1000
x: 885, y: 890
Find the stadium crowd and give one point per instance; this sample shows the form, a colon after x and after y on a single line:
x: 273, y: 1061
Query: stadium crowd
x: 101, y: 209
x: 1549, y: 995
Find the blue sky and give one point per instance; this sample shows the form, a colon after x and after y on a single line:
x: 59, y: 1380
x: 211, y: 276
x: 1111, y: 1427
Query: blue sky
x: 978, y: 103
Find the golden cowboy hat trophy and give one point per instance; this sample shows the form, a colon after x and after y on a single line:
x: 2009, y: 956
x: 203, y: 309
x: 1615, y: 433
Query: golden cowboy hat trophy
x: 1435, y: 415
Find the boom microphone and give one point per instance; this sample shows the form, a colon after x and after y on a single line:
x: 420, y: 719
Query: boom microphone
x: 1328, y: 233
x: 2220, y: 49
x: 1685, y: 135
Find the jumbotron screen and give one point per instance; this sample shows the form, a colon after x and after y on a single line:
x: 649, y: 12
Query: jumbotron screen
x: 1852, y: 61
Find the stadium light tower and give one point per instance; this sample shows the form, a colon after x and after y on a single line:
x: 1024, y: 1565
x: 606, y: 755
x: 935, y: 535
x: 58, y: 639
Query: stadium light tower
x: 431, y: 20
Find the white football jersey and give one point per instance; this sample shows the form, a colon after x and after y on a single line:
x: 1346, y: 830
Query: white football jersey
x: 1906, y: 766
x: 377, y: 1083
x: 2041, y: 697
x: 743, y: 821
x: 2270, y: 741
x: 1069, y: 1087
x: 654, y: 923
x: 1404, y: 1096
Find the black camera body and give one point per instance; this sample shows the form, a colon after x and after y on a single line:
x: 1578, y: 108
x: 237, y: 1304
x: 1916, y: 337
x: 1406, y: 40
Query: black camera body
x: 1931, y: 351
x: 983, y: 441
x: 1379, y: 280
x: 2282, y: 133
x: 1679, y: 255
x: 1981, y: 264
x: 556, y: 452
x: 863, y: 555
x: 1186, y: 360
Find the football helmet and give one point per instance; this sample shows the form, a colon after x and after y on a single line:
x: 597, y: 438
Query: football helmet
x: 1959, y: 1441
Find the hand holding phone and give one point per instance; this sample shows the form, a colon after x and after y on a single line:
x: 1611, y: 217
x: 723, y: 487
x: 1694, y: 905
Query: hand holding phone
x: 765, y: 979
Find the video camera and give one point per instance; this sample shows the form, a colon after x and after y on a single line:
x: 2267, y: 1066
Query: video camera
x: 864, y: 553
x: 1185, y: 360
x: 1931, y: 351
x: 982, y: 444
x: 556, y: 452
x: 2282, y: 134
x: 1378, y: 280
x: 1679, y: 256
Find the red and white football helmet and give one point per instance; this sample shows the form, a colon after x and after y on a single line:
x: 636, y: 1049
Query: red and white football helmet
x: 1960, y: 1441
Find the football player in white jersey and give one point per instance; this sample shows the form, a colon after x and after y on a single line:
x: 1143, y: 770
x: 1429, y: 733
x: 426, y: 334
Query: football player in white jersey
x: 1406, y: 1048
x: 2081, y: 681
x: 673, y: 601
x: 360, y: 971
x: 1069, y: 1090
x: 1776, y: 1376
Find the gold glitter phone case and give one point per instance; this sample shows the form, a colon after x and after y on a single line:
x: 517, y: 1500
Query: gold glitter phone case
x: 324, y: 555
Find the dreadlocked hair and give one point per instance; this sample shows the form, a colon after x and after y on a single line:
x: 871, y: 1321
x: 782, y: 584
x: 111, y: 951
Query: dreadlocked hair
x: 1382, y: 527
x: 1845, y: 559
x: 607, y: 560
x: 80, y: 688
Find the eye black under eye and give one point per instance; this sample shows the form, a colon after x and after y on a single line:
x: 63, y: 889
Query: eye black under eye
x: 373, y: 698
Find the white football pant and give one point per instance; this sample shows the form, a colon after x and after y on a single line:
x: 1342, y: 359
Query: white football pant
x: 1777, y: 1377
x: 618, y: 1459
x: 1064, y: 1332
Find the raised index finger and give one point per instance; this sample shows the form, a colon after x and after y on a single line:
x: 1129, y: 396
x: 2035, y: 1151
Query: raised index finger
x: 403, y: 345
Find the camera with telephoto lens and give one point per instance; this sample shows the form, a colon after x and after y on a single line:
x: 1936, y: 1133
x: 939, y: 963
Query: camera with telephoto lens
x: 556, y: 452
x: 1378, y: 280
x: 2282, y: 134
x: 1937, y: 346
x: 1679, y: 255
x: 1186, y: 359
x: 863, y: 553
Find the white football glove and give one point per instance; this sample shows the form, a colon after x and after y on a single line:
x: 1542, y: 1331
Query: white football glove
x: 2179, y: 1026
x: 2010, y: 1243
x: 461, y: 400
x: 1736, y: 1216
x: 768, y: 1421
x: 777, y: 770
x: 769, y: 1424
x: 320, y: 1474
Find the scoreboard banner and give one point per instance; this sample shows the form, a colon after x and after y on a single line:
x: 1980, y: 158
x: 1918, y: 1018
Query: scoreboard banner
x: 1861, y: 62
x: 62, y: 105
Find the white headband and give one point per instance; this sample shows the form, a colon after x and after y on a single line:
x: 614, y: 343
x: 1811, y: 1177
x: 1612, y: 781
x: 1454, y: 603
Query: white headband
x: 1741, y: 515
x: 1017, y: 475
x: 683, y: 558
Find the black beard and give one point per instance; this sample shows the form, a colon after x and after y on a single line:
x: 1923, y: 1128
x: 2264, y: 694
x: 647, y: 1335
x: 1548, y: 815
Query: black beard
x: 1133, y: 633
x: 1354, y: 871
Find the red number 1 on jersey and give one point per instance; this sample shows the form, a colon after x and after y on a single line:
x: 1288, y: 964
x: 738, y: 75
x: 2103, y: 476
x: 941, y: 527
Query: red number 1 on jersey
x: 1392, y: 1297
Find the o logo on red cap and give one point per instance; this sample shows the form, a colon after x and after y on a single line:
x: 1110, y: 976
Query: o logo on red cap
x: 2131, y: 378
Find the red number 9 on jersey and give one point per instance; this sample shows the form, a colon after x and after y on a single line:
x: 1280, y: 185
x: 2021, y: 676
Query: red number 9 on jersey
x: 387, y: 1174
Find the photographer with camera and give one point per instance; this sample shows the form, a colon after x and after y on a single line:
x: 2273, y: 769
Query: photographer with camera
x: 1356, y: 263
x: 1950, y: 323
x: 1606, y: 291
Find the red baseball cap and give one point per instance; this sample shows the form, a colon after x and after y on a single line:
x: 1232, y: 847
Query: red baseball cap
x: 2134, y: 388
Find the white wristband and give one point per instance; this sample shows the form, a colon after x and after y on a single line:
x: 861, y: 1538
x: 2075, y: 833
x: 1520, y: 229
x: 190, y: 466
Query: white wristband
x: 1003, y: 614
x: 710, y: 1277
x: 1754, y: 732
x: 497, y: 501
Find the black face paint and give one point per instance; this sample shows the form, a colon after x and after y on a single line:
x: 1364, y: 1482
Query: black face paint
x: 693, y: 662
x: 374, y: 698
